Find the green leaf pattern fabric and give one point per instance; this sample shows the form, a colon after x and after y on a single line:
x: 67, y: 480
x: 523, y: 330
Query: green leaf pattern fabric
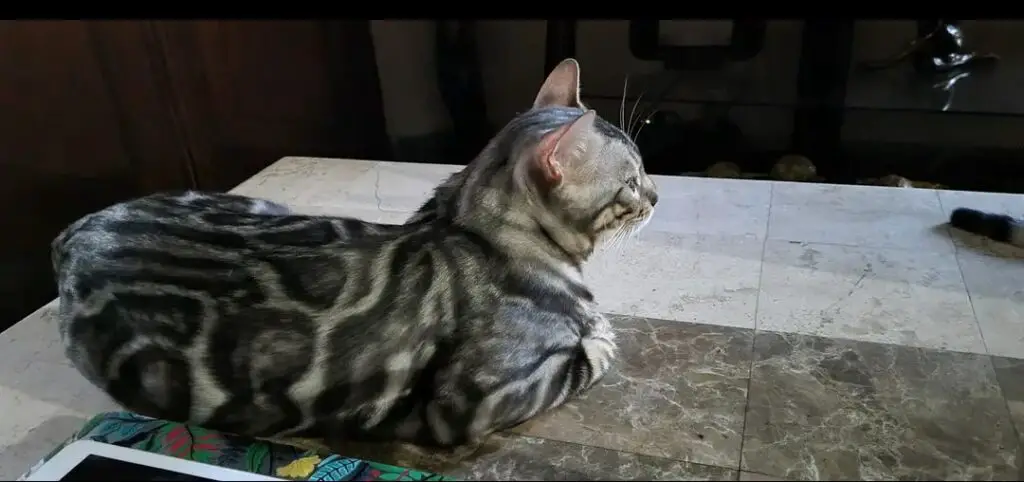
x: 132, y: 430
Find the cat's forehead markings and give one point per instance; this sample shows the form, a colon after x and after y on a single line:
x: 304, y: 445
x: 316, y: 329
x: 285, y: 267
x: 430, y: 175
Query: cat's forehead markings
x: 608, y: 130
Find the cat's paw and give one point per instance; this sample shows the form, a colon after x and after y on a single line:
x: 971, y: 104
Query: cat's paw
x: 601, y: 352
x: 601, y: 328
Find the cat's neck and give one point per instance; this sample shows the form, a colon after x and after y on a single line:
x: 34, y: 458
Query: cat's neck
x: 524, y: 236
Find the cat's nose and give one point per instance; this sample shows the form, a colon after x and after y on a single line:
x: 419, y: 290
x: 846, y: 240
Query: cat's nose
x: 653, y: 198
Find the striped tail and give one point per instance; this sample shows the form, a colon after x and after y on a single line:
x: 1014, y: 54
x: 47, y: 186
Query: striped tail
x: 998, y: 227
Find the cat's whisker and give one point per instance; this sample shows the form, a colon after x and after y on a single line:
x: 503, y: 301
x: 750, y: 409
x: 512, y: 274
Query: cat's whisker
x: 644, y: 122
x: 621, y: 241
x: 627, y: 232
x: 615, y: 243
x: 622, y: 105
x: 610, y: 241
x: 658, y: 97
x: 632, y: 111
x: 609, y: 244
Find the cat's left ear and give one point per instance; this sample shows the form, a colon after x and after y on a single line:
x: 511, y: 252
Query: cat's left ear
x: 562, y: 87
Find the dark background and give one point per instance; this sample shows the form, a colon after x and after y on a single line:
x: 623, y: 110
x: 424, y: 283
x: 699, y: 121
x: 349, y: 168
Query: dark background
x: 94, y: 112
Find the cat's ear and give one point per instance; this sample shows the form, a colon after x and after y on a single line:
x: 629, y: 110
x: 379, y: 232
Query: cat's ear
x: 564, y: 149
x: 562, y: 87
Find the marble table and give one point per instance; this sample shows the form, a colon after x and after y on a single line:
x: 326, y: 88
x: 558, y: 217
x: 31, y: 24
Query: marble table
x: 770, y: 330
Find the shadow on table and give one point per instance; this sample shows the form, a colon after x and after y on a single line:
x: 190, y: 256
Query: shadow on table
x: 980, y: 244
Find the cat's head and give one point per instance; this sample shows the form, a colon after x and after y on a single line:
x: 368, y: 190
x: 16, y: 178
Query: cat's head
x: 582, y: 177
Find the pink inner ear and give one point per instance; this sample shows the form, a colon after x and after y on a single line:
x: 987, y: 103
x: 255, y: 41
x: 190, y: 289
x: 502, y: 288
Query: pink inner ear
x: 548, y: 167
x: 562, y: 146
x: 547, y: 163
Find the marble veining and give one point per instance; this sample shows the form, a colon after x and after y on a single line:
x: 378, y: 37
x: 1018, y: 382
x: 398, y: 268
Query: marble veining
x: 712, y: 279
x: 995, y: 283
x: 516, y: 457
x: 828, y: 409
x: 678, y: 407
x: 744, y: 475
x: 912, y: 298
x: 716, y: 207
x: 677, y: 392
x: 1010, y: 373
x: 867, y: 216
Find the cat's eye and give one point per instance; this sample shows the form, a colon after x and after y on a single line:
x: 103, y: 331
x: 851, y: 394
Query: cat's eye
x: 633, y: 183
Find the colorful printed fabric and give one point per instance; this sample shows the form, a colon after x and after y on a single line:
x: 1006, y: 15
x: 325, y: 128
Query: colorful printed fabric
x: 128, y: 429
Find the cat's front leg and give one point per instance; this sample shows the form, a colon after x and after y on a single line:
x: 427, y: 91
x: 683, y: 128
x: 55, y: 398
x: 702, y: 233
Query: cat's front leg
x: 599, y: 348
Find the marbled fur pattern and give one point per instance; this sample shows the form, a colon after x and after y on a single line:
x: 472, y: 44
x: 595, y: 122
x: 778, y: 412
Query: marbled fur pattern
x: 472, y: 317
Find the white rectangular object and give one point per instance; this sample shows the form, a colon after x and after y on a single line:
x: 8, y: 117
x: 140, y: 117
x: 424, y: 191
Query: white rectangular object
x: 90, y: 460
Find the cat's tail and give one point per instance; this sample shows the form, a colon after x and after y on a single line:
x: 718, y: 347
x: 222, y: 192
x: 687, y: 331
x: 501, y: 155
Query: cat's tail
x: 998, y: 227
x: 57, y: 250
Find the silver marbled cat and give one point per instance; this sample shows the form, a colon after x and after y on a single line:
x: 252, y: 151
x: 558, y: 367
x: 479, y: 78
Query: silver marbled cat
x: 234, y: 313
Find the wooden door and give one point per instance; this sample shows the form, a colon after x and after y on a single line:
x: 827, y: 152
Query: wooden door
x: 65, y: 147
x: 94, y: 112
x: 251, y: 92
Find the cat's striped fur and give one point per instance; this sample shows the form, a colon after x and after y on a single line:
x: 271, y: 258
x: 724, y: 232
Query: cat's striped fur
x: 470, y: 318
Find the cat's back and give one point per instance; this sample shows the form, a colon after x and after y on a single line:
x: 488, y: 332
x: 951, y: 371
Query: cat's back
x: 153, y: 290
x: 156, y: 223
x: 192, y: 224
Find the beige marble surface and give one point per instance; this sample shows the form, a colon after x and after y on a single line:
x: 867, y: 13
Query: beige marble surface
x: 759, y: 277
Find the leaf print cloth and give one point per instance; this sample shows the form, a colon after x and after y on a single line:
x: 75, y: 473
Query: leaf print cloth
x: 128, y: 429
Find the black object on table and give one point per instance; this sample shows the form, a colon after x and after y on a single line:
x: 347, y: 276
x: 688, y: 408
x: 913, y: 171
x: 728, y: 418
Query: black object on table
x: 95, y: 467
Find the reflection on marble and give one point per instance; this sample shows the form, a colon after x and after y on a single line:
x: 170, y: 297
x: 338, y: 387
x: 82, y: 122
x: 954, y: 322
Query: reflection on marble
x: 996, y: 286
x: 871, y: 216
x: 305, y: 181
x: 906, y: 297
x: 695, y: 278
x: 375, y: 185
x: 721, y: 207
x: 396, y: 186
x: 826, y: 409
x: 678, y: 392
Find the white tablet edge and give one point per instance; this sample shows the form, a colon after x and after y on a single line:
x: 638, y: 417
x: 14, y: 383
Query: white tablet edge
x: 71, y: 455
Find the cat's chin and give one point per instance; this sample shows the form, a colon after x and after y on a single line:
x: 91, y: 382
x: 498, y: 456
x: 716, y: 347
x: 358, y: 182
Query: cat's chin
x: 616, y: 238
x: 633, y: 228
x: 641, y: 224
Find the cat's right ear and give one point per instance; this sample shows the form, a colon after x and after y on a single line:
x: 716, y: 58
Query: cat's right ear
x: 562, y: 87
x: 563, y: 150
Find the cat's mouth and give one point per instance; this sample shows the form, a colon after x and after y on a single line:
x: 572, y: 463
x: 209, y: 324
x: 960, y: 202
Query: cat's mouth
x: 639, y: 223
x: 644, y: 217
